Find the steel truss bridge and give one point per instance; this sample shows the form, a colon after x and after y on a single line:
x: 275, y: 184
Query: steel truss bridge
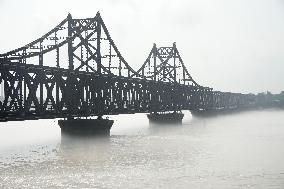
x: 76, y: 70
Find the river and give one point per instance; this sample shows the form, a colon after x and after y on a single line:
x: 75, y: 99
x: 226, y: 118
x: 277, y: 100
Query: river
x: 242, y: 150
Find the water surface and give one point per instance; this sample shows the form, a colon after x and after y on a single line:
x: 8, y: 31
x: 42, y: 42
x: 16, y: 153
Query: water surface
x: 243, y: 150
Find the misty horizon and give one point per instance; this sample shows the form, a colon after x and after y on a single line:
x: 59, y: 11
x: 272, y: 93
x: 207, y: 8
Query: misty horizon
x: 145, y: 94
x: 230, y: 46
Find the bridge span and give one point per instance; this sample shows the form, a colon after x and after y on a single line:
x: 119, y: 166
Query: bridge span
x: 76, y: 70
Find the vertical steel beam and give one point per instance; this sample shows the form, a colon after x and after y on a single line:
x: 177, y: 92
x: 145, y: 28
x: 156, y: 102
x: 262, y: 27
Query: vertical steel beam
x: 41, y: 80
x: 109, y: 63
x: 57, y: 79
x: 70, y: 48
x: 175, y: 70
x: 20, y: 91
x: 155, y: 61
x: 99, y: 58
x: 119, y: 68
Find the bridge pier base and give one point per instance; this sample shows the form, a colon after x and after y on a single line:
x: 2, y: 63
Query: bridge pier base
x: 166, y: 118
x: 85, y: 127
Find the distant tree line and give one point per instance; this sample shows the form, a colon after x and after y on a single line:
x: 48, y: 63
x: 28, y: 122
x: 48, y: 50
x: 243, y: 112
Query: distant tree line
x: 267, y: 99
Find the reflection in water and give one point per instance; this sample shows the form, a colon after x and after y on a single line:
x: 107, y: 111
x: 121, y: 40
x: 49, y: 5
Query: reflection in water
x: 84, y: 149
x: 243, y: 150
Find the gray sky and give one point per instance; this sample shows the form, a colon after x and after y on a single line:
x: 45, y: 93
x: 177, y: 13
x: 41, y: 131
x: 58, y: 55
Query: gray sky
x: 229, y: 45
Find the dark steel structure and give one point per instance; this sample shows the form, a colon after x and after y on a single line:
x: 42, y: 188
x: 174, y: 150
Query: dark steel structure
x: 76, y: 70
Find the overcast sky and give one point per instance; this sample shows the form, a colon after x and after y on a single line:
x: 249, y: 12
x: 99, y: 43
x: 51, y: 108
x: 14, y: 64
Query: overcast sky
x: 230, y: 45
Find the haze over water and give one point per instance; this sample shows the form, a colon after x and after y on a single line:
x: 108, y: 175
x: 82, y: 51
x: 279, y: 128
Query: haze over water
x: 243, y: 150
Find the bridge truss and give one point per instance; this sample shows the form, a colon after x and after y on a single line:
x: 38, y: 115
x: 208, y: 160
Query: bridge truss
x: 76, y: 70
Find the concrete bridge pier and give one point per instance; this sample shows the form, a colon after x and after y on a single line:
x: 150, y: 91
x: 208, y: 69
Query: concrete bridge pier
x: 85, y: 127
x: 168, y: 118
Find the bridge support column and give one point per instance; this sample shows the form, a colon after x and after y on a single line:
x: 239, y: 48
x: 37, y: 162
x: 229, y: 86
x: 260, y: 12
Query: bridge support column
x: 166, y: 118
x: 85, y: 127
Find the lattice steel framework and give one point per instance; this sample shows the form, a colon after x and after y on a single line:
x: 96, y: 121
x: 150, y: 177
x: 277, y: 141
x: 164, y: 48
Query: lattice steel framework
x: 166, y: 65
x: 76, y: 70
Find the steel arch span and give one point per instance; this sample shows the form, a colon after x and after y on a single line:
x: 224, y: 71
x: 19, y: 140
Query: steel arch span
x: 76, y: 70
